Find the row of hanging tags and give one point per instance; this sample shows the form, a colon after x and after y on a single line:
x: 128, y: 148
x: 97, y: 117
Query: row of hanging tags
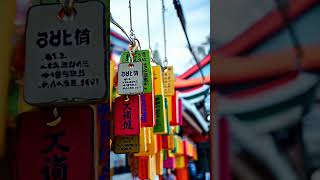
x: 147, y: 113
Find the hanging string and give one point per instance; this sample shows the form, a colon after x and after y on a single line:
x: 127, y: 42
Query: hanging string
x: 165, y: 62
x: 119, y: 26
x: 148, y: 24
x: 132, y: 35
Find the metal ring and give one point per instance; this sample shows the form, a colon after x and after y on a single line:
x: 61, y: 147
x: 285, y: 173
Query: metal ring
x: 56, y: 118
x: 127, y: 98
x: 68, y: 11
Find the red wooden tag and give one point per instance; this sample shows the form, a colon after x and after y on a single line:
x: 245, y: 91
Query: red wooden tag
x: 48, y: 149
x: 127, y: 116
x: 175, y: 107
x: 182, y: 173
x: 159, y: 142
x: 147, y: 110
x: 143, y: 167
x: 164, y: 141
x: 180, y: 111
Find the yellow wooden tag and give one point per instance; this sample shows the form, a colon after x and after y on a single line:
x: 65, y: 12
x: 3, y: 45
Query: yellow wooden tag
x: 151, y: 148
x: 112, y: 72
x: 143, y: 142
x: 195, y: 153
x: 149, y: 130
x: 180, y: 162
x: 157, y: 77
x: 152, y: 167
x: 179, y: 150
x: 159, y: 163
x: 168, y: 81
x: 170, y: 141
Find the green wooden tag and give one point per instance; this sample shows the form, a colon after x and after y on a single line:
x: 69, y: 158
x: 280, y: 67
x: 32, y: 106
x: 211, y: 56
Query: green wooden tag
x: 161, y: 125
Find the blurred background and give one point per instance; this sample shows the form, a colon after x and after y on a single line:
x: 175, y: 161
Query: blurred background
x: 265, y: 89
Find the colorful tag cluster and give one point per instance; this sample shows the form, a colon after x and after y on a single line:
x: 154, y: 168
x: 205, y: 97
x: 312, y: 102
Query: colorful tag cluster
x: 154, y: 117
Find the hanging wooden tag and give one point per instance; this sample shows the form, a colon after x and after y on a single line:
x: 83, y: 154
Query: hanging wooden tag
x: 164, y: 142
x: 143, y: 167
x: 65, y: 56
x: 161, y: 125
x: 182, y: 173
x: 144, y: 57
x: 159, y: 163
x: 111, y: 78
x: 174, y: 110
x: 175, y: 144
x: 152, y: 167
x: 195, y: 152
x: 170, y: 138
x: 147, y: 110
x: 179, y: 112
x: 149, y: 131
x: 126, y: 144
x: 159, y: 142
x: 179, y: 150
x: 152, y: 148
x: 169, y: 129
x: 143, y: 140
x: 157, y: 79
x: 180, y: 162
x: 49, y: 144
x: 130, y: 78
x: 127, y: 116
x: 168, y: 81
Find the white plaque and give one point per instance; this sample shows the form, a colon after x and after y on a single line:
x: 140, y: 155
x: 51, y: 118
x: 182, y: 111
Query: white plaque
x: 130, y: 78
x: 65, y: 59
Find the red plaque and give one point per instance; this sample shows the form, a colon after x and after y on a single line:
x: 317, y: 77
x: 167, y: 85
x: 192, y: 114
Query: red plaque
x: 159, y: 140
x: 127, y: 116
x: 147, y: 110
x: 143, y: 167
x: 164, y: 141
x: 180, y: 111
x: 49, y: 147
x: 175, y: 102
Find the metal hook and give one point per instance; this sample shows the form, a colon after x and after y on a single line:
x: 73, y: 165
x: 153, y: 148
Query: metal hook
x: 132, y: 48
x: 56, y: 120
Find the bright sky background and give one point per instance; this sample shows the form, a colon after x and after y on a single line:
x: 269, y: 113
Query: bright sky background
x: 197, y: 15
